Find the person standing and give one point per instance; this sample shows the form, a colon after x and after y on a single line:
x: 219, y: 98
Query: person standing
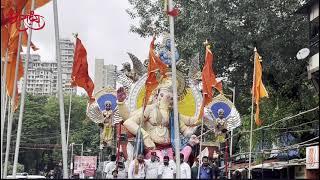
x: 137, y: 168
x: 215, y: 170
x: 152, y: 166
x: 110, y: 166
x: 122, y: 173
x: 58, y: 171
x: 184, y: 168
x: 194, y: 169
x: 115, y: 174
x: 167, y: 170
x: 50, y: 174
x: 205, y: 169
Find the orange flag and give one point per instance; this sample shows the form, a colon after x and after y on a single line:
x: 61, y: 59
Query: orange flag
x: 208, y: 81
x: 10, y: 39
x: 80, y: 75
x: 258, y: 89
x: 12, y: 60
x: 155, y: 67
x: 11, y: 69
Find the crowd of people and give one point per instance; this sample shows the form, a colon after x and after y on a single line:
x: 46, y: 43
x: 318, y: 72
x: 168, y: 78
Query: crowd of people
x: 153, y: 168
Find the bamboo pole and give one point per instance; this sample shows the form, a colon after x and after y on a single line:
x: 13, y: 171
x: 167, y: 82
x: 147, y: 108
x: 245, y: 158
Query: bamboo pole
x: 60, y: 93
x: 70, y: 102
x: 200, y: 159
x: 22, y: 101
x: 231, y: 134
x: 251, y: 122
x: 4, y: 100
x: 69, y: 117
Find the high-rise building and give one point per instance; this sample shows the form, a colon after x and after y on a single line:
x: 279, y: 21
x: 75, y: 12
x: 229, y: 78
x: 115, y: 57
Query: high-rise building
x: 42, y: 77
x: 110, y: 75
x: 67, y: 52
x: 104, y: 75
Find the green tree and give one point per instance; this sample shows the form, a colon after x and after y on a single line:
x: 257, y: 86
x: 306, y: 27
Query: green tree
x: 41, y: 136
x: 235, y: 27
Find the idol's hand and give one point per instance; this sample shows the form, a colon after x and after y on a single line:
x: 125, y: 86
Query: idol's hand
x: 149, y: 143
x: 121, y: 94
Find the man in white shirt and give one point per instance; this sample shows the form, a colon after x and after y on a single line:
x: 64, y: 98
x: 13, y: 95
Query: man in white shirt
x: 172, y: 162
x: 137, y: 168
x: 122, y: 173
x: 166, y: 170
x: 185, y: 170
x: 152, y: 167
x: 110, y: 167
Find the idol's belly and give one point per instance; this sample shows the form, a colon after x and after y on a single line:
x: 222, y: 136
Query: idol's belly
x: 160, y: 135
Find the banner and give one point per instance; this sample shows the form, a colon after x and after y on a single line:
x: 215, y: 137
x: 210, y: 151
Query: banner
x: 86, y: 163
x: 312, y: 157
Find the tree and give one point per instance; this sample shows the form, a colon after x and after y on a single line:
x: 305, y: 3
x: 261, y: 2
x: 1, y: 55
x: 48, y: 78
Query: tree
x: 235, y: 27
x: 20, y: 168
x: 41, y: 138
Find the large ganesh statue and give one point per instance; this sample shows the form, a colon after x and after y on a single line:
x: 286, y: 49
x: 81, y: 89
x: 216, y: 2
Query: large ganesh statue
x: 156, y: 121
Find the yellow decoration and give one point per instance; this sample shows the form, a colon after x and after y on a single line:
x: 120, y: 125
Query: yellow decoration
x: 187, y: 106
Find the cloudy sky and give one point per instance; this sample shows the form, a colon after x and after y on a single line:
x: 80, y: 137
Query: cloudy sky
x: 103, y: 27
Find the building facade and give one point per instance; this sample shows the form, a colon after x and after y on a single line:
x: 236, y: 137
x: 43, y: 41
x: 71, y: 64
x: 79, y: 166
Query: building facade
x: 43, y: 76
x: 104, y: 75
x: 67, y: 53
x: 311, y: 9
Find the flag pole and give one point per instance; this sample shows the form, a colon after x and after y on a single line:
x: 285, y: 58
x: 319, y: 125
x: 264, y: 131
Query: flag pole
x: 69, y: 116
x: 11, y: 112
x: 174, y: 87
x: 2, y: 128
x: 200, y: 159
x: 60, y: 93
x: 23, y: 94
x: 70, y: 102
x: 252, y: 104
x: 4, y: 99
x: 231, y: 134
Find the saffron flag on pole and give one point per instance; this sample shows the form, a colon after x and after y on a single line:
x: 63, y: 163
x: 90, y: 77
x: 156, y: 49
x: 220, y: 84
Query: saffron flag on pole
x: 156, y: 71
x: 10, y: 38
x: 208, y: 81
x: 12, y: 46
x: 80, y: 75
x: 258, y: 89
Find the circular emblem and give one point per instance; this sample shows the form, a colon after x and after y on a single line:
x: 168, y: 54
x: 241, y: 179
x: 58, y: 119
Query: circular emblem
x: 105, y: 95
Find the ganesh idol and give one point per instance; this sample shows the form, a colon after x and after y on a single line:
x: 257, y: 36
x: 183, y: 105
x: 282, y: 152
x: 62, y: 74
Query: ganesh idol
x: 156, y: 122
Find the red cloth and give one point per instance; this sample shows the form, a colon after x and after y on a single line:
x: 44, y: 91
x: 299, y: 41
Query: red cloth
x: 80, y: 75
x: 155, y: 67
x: 174, y: 12
x: 208, y: 80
